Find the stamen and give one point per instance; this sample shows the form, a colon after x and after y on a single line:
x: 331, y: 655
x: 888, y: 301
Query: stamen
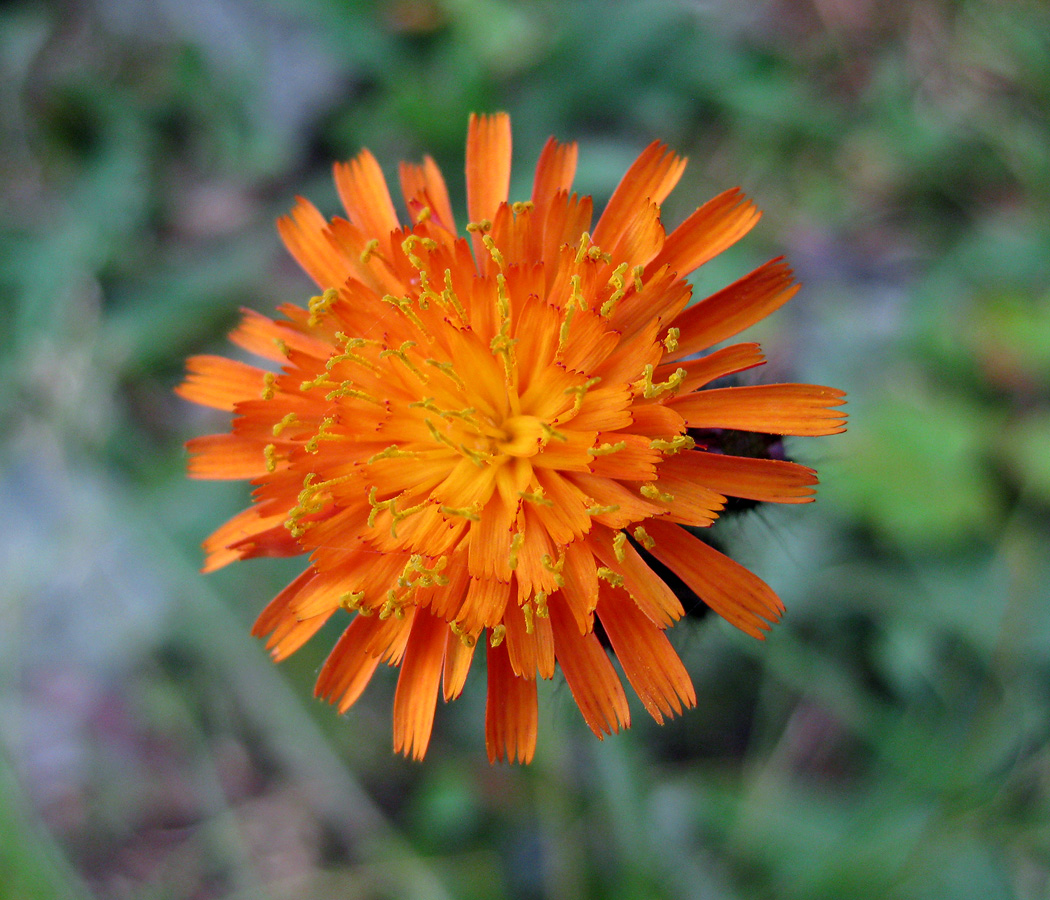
x: 521, y: 206
x: 423, y: 215
x: 585, y: 243
x: 637, y: 272
x: 284, y: 423
x: 371, y: 249
x: 652, y: 492
x: 403, y: 356
x: 541, y: 605
x: 552, y: 433
x: 322, y: 433
x: 555, y: 568
x: 580, y: 390
x: 526, y: 608
x: 617, y: 281
x: 483, y: 226
x: 515, y: 546
x: 467, y: 639
x: 490, y: 245
x: 348, y: 355
x: 606, y: 449
x: 536, y: 498
x: 607, y: 574
x: 268, y: 389
x: 321, y: 380
x: 351, y: 602
x: 408, y: 245
x: 496, y: 636
x: 643, y: 538
x: 438, y: 436
x: 618, y: 542
x: 446, y: 368
x: 650, y: 390
x: 404, y: 306
x: 450, y: 296
x: 318, y: 306
x: 396, y: 515
x: 271, y: 457
x: 393, y: 452
x: 602, y: 510
x: 347, y: 389
x: 471, y: 513
x: 671, y: 341
x: 563, y: 332
x: 679, y: 442
x: 577, y: 294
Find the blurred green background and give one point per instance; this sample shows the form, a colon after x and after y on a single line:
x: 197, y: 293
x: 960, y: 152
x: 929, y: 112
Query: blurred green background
x: 890, y: 739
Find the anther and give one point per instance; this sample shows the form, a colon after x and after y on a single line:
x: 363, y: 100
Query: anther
x: 490, y: 245
x: 652, y: 492
x: 679, y: 442
x: 643, y: 538
x: 470, y: 513
x: 671, y: 340
x: 618, y: 542
x: 284, y: 423
x: 370, y: 250
x: 318, y: 306
x: 270, y: 455
x: 515, y: 546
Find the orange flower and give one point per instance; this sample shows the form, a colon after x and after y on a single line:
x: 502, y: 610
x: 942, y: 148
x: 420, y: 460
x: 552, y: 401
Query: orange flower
x: 483, y: 448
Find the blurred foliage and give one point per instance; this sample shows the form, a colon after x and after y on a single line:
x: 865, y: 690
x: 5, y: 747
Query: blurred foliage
x: 890, y: 739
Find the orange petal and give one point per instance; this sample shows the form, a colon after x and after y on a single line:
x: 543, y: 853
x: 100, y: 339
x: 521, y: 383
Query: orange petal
x: 802, y: 409
x: 417, y: 686
x: 716, y: 225
x: 651, y: 177
x: 427, y: 184
x: 458, y: 655
x: 510, y: 711
x: 648, y: 659
x: 488, y: 169
x: 642, y: 237
x: 224, y: 456
x: 348, y: 669
x: 303, y: 233
x: 698, y: 372
x: 227, y: 543
x: 649, y: 592
x: 554, y: 171
x: 769, y: 480
x: 738, y: 595
x: 271, y: 340
x: 219, y: 382
x: 486, y: 600
x: 291, y: 634
x: 580, y: 590
x: 591, y: 677
x: 734, y: 308
x: 692, y: 502
x: 530, y: 643
x: 277, y: 609
x: 364, y: 193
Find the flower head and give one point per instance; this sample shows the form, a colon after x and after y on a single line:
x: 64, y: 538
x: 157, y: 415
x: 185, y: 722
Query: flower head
x: 481, y: 441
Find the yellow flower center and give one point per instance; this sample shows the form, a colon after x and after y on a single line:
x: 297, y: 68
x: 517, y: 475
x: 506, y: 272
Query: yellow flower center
x: 521, y: 436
